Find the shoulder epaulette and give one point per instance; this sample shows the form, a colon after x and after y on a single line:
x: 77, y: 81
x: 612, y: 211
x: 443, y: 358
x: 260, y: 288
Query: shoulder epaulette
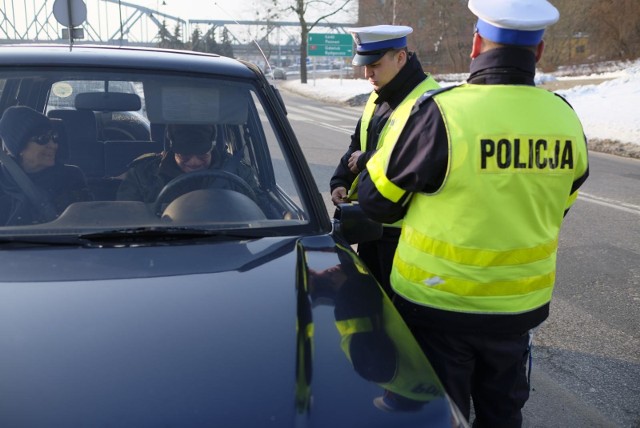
x: 427, y: 96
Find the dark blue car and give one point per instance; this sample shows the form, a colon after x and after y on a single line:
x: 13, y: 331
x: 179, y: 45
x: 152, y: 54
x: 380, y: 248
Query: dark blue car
x: 224, y: 301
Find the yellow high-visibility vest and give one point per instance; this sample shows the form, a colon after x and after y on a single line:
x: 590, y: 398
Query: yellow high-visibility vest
x: 486, y: 242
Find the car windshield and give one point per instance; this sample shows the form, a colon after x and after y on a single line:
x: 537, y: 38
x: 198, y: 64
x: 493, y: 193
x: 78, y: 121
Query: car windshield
x: 143, y: 152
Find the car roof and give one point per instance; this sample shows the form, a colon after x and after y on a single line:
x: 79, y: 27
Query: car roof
x: 124, y: 57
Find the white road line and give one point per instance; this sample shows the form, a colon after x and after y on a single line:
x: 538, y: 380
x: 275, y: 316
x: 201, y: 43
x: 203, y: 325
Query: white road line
x: 294, y: 115
x: 342, y: 114
x: 621, y: 206
x: 324, y: 114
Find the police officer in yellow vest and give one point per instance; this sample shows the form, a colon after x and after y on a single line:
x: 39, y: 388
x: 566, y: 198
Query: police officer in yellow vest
x: 398, y: 79
x: 475, y: 266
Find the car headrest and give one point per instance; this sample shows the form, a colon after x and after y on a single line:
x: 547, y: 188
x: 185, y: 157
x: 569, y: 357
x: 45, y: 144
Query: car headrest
x: 108, y: 101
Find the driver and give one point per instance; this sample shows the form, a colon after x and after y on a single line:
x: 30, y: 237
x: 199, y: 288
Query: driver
x: 191, y: 149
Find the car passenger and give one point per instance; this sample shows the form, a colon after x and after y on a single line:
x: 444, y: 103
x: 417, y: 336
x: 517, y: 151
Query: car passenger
x: 32, y: 144
x: 191, y: 149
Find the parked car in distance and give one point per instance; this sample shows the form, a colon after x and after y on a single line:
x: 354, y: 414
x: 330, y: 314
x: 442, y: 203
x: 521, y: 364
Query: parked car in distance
x: 278, y: 74
x: 219, y: 303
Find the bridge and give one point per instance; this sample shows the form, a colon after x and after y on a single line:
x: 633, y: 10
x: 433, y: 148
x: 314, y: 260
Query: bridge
x: 118, y: 22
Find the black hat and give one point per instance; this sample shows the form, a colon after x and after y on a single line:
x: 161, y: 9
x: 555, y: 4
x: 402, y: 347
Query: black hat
x: 19, y: 124
x: 192, y: 139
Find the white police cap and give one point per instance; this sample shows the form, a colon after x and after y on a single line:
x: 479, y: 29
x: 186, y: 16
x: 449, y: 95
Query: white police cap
x: 373, y: 42
x: 513, y: 22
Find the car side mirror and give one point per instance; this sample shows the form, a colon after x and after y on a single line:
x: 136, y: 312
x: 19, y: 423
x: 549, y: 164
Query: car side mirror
x: 350, y: 222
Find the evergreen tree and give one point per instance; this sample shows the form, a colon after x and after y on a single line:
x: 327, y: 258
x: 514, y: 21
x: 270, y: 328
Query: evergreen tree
x: 177, y: 37
x: 209, y: 39
x: 164, y: 36
x: 227, y: 48
x: 196, y: 40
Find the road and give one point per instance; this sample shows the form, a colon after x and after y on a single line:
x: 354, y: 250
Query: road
x: 586, y: 369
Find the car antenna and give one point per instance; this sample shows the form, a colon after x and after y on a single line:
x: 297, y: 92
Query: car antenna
x: 252, y: 39
x: 70, y: 14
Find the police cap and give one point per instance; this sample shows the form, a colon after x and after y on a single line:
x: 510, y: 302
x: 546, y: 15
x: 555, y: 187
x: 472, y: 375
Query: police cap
x: 373, y: 42
x: 513, y: 22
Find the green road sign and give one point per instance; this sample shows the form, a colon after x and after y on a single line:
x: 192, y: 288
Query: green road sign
x: 329, y: 45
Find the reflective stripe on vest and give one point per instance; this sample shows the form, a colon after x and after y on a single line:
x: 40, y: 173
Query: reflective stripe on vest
x: 486, y: 241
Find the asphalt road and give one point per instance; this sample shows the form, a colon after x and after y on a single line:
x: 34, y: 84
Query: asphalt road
x: 586, y: 369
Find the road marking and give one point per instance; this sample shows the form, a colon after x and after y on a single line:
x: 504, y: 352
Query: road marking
x: 304, y: 115
x: 621, y: 206
x: 325, y: 114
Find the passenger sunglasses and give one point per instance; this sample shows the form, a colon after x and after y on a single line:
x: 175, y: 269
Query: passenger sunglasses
x: 45, y: 138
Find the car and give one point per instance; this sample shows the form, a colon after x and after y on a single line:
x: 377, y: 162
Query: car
x: 206, y: 306
x: 278, y: 74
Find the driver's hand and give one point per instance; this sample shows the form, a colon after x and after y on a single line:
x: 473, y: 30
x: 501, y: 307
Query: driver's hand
x: 339, y: 196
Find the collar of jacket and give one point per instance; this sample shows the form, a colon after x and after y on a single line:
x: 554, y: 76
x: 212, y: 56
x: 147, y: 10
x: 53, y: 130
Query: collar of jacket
x: 504, y: 66
x: 168, y: 167
x: 399, y: 87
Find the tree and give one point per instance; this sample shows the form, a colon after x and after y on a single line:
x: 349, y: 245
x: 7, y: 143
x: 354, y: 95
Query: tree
x: 300, y: 8
x: 177, y: 37
x: 441, y: 35
x: 588, y: 31
x: 196, y: 43
x: 166, y: 40
x: 226, y: 49
x: 164, y: 36
x: 209, y: 40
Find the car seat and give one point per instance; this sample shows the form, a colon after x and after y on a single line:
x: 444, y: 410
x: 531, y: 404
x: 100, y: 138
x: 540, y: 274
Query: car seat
x: 82, y: 137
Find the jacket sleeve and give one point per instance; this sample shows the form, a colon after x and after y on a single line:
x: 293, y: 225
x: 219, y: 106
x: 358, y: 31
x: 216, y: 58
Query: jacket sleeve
x: 417, y: 163
x: 343, y: 176
x: 131, y: 188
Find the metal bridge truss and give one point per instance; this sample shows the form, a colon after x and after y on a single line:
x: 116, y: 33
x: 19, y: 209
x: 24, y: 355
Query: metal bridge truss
x: 112, y: 22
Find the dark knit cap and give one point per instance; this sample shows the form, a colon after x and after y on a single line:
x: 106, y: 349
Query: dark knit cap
x: 19, y: 124
x: 192, y: 139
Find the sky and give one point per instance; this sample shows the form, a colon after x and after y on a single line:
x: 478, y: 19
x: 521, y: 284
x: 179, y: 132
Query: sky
x: 215, y: 9
x: 218, y: 9
x: 609, y: 110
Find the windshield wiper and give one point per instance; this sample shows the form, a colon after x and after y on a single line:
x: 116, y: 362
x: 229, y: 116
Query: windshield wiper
x: 162, y: 234
x: 30, y: 241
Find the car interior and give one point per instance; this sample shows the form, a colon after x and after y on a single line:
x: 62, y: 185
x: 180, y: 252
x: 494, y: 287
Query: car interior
x: 106, y: 120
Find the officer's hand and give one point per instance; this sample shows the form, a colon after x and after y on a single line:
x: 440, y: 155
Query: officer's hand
x: 353, y: 160
x: 339, y: 196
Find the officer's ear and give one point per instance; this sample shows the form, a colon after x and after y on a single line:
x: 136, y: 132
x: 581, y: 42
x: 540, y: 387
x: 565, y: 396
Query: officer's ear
x: 476, y: 47
x: 400, y: 57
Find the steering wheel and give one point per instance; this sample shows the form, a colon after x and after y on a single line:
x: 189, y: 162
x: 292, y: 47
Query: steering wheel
x: 194, y: 180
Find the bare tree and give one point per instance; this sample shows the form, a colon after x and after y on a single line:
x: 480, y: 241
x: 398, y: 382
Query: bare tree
x: 615, y: 28
x: 442, y: 29
x: 300, y: 8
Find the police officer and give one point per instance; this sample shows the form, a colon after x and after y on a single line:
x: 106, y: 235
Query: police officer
x: 397, y: 79
x: 475, y: 266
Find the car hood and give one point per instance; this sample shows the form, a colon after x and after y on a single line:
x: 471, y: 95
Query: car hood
x: 234, y: 334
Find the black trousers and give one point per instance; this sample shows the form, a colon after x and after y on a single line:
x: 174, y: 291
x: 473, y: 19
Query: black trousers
x: 491, y: 369
x: 378, y: 256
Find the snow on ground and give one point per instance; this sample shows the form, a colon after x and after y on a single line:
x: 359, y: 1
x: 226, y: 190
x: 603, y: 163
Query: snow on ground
x: 609, y: 110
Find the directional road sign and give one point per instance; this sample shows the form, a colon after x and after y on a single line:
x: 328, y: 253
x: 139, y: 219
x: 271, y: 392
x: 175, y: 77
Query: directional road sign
x: 330, y: 45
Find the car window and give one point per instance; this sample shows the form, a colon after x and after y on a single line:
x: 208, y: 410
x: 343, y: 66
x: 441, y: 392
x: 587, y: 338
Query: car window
x: 114, y: 131
x: 63, y: 93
